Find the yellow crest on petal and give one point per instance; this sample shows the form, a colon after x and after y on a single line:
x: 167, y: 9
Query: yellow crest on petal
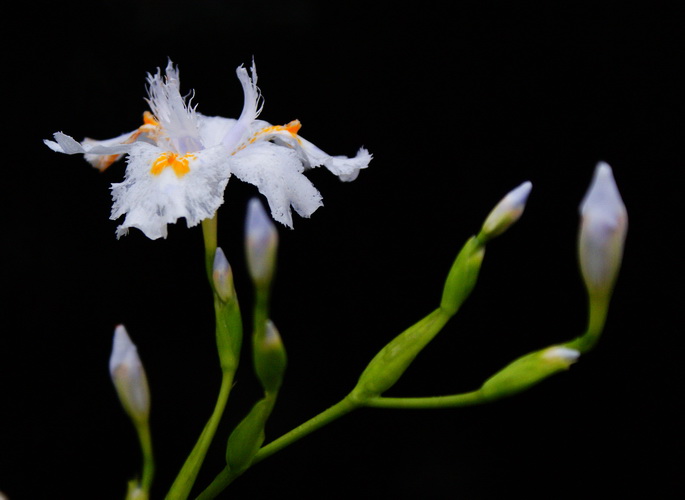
x: 177, y: 162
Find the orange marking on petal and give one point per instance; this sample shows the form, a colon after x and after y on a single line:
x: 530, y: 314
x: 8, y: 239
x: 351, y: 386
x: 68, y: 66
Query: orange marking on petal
x: 176, y: 162
x: 149, y: 119
x: 293, y: 127
x: 103, y: 162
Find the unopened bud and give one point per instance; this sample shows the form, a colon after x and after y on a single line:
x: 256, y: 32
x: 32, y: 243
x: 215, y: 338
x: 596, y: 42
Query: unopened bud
x: 506, y: 212
x: 528, y: 370
x: 129, y: 377
x: 603, y: 228
x: 248, y: 436
x: 222, y: 275
x: 390, y: 363
x: 261, y: 243
x: 462, y: 276
x: 270, y: 358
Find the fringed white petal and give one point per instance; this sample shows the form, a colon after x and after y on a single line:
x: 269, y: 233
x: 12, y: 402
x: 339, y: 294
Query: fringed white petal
x: 241, y: 131
x: 100, y: 154
x: 277, y: 173
x: 150, y: 202
x: 178, y: 120
x: 66, y: 144
x: 347, y: 169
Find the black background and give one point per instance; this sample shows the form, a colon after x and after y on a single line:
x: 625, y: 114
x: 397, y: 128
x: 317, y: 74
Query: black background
x: 458, y: 105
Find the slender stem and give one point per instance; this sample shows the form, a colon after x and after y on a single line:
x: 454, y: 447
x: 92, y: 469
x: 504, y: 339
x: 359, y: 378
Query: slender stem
x: 225, y: 477
x: 220, y: 483
x: 598, y: 309
x: 325, y: 417
x: 209, y: 234
x: 186, y: 478
x: 145, y: 439
x: 454, y: 400
x: 227, y: 324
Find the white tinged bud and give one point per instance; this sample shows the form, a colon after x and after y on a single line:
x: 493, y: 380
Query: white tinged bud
x: 129, y: 377
x: 603, y: 228
x: 261, y: 242
x: 506, y: 212
x: 222, y: 275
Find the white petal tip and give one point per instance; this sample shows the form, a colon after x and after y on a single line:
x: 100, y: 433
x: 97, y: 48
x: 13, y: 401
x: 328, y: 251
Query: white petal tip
x: 560, y: 353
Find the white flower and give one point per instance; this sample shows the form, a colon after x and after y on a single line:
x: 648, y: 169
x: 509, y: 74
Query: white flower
x: 603, y: 228
x: 179, y: 161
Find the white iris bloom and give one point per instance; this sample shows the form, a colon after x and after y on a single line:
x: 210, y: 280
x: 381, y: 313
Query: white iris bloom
x: 179, y: 161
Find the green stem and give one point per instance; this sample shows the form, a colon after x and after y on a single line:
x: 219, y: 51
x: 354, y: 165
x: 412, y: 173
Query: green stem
x: 455, y: 400
x: 228, y: 335
x: 220, y: 483
x: 145, y: 439
x: 225, y: 477
x: 598, y: 309
x: 325, y: 417
x: 186, y: 478
x: 209, y: 234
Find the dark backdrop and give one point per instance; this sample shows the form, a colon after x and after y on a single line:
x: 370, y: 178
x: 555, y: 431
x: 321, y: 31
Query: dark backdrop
x: 458, y: 105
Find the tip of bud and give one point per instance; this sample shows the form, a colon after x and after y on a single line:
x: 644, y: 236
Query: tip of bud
x: 563, y: 354
x: 222, y: 275
x: 602, y: 195
x: 507, y: 211
x: 123, y: 350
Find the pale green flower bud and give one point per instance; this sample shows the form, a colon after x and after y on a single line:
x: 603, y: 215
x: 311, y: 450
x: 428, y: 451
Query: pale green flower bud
x: 506, y: 212
x: 603, y: 228
x: 129, y: 377
x: 261, y: 243
x: 463, y: 275
x: 390, y: 363
x: 222, y: 275
x: 270, y: 358
x: 248, y: 436
x: 528, y: 370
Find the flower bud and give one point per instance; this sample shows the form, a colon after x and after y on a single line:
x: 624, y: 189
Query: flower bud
x: 390, y: 363
x: 270, y: 358
x: 462, y: 276
x: 528, y: 370
x: 222, y: 276
x: 603, y: 227
x: 129, y: 377
x: 261, y: 243
x: 248, y: 436
x: 506, y: 212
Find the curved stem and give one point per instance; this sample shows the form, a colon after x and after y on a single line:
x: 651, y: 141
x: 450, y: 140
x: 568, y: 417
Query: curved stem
x: 145, y: 439
x: 209, y: 235
x: 225, y: 477
x: 186, y: 477
x: 455, y: 400
x: 325, y: 417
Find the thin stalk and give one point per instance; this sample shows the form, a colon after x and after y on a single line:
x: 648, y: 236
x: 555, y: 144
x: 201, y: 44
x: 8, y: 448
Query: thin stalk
x: 225, y: 477
x: 145, y: 439
x: 325, y: 417
x: 186, y: 477
x: 455, y: 400
x: 209, y: 234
